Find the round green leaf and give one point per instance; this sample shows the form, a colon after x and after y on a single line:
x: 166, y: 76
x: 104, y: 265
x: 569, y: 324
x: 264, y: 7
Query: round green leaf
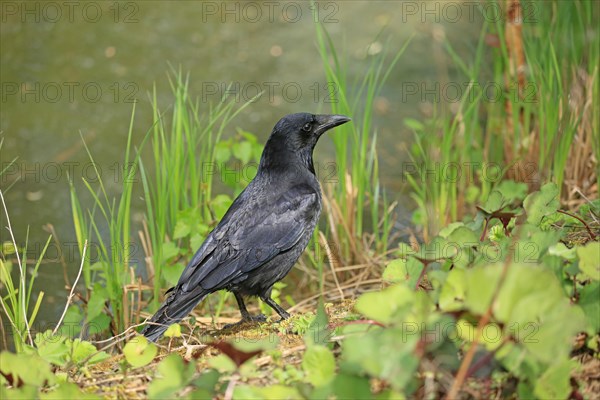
x: 139, y: 352
x: 319, y: 365
x: 589, y: 260
x: 173, y: 330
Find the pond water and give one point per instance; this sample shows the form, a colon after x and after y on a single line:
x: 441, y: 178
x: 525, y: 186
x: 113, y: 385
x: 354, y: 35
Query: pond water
x: 72, y: 69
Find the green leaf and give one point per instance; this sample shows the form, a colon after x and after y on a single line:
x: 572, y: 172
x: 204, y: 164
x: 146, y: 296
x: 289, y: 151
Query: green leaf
x: 249, y: 345
x: 552, y: 340
x: 71, y: 324
x: 222, y: 363
x: 220, y: 204
x: 97, y: 300
x: 452, y: 295
x: 383, y: 353
x: 182, y: 229
x: 472, y: 194
x: 534, y: 243
x: 412, y: 270
x: 319, y: 365
x: 384, y: 305
x: 5, y: 271
x: 463, y: 237
x: 318, y: 331
x: 274, y: 392
x: 414, y: 124
x: 98, y: 324
x: 169, y: 251
x: 559, y: 249
x: 67, y: 390
x: 588, y: 301
x: 541, y: 203
x: 395, y: 271
x: 173, y: 376
x: 81, y: 350
x: 196, y: 241
x: 207, y: 382
x: 448, y: 229
x: 438, y: 248
x: 30, y: 368
x: 532, y: 306
x: 527, y: 294
x: 480, y: 285
x: 555, y: 382
x: 589, y: 260
x: 242, y: 151
x: 495, y: 202
x: 52, y: 348
x: 174, y: 330
x: 171, y: 273
x: 222, y: 152
x: 404, y: 250
x: 139, y: 351
x: 462, y: 240
x: 25, y: 392
x: 512, y: 191
x: 8, y: 248
x: 351, y: 387
x: 250, y: 137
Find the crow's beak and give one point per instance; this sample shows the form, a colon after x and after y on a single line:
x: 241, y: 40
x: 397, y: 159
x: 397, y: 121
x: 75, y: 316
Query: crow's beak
x: 326, y: 122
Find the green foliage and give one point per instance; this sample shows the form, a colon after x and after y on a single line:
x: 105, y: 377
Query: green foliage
x: 237, y: 159
x: 139, y: 351
x: 62, y: 351
x: 188, y: 153
x: 112, y: 269
x: 530, y: 291
x: 173, y: 374
x: 31, y: 373
x: 542, y: 203
x: 470, y: 145
x: 180, y: 207
x: 357, y: 192
x: 273, y: 392
x: 589, y: 256
x: 318, y: 364
x: 17, y: 300
x: 385, y: 353
x: 523, y: 279
x: 67, y: 390
x: 318, y: 332
x: 30, y: 368
x: 173, y: 330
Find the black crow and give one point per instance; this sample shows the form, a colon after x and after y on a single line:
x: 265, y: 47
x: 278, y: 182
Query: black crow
x: 263, y: 233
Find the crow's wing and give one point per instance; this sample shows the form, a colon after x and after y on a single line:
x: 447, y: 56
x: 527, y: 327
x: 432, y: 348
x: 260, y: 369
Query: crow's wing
x: 250, y: 236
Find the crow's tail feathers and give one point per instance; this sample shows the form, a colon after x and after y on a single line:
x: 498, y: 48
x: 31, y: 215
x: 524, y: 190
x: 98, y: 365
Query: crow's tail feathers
x: 176, y: 307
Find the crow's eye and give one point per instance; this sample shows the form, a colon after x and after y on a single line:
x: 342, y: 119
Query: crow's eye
x: 307, y: 127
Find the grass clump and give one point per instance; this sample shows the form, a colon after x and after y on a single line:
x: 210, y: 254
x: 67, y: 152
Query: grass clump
x: 542, y: 126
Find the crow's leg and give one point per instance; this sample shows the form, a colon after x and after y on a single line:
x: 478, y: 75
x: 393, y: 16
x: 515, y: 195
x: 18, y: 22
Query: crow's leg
x: 282, y: 313
x: 246, y: 316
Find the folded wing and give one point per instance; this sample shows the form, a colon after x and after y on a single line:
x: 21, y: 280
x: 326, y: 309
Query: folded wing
x: 250, y: 237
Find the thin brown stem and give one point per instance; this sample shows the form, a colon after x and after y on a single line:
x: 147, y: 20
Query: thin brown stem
x: 590, y: 232
x: 483, y: 321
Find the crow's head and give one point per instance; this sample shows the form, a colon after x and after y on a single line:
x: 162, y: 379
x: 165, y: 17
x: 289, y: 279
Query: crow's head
x: 294, y: 138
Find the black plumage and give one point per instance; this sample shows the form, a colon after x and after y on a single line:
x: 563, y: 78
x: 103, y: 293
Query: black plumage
x: 264, y: 232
